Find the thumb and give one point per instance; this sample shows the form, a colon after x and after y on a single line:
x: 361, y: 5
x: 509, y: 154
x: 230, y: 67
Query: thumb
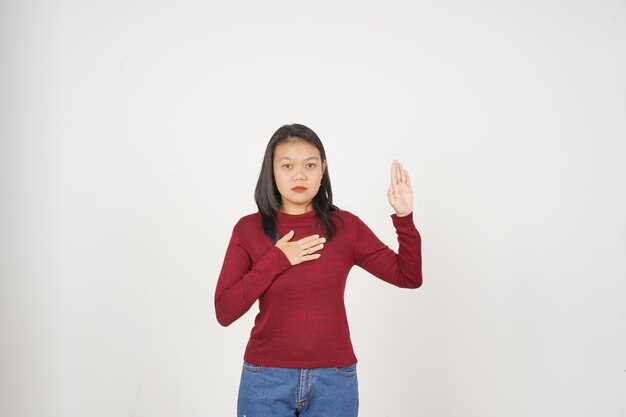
x: 288, y: 236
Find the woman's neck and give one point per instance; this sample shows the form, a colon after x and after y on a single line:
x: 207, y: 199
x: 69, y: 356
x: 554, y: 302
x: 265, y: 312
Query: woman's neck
x: 296, y: 209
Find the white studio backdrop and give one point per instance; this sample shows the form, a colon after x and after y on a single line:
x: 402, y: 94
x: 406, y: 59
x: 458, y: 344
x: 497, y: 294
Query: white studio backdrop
x: 132, y: 135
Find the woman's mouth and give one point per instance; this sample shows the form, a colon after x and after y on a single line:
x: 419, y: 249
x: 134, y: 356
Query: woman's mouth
x: 299, y: 189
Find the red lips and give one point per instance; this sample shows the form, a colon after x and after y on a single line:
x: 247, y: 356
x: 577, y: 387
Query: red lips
x: 299, y: 189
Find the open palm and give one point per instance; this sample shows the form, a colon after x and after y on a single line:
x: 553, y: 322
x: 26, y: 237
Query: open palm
x: 400, y: 194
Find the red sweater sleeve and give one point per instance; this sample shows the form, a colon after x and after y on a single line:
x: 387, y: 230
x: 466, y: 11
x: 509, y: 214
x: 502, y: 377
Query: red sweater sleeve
x: 240, y: 283
x: 403, y: 269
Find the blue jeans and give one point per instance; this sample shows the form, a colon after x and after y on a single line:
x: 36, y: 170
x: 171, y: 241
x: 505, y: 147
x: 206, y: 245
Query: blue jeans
x: 288, y: 392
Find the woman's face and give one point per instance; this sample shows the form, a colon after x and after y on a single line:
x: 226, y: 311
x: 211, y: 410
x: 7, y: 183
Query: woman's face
x: 297, y: 164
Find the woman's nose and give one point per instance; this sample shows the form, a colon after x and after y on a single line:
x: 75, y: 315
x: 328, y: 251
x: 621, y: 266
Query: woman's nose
x: 298, y: 173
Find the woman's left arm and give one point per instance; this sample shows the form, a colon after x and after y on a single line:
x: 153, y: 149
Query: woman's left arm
x: 403, y: 269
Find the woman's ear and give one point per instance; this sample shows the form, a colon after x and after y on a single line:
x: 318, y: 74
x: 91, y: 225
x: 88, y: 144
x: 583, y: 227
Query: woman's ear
x: 324, y: 164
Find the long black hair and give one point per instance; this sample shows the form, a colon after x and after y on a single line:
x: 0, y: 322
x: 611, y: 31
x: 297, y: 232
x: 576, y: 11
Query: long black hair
x: 267, y: 196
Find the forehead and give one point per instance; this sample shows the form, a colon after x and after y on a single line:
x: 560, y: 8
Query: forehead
x: 298, y: 149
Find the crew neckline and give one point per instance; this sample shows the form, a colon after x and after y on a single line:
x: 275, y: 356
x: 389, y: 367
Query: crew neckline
x: 290, y: 220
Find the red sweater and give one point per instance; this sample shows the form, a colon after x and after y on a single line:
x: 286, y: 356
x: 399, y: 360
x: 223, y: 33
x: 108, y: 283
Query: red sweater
x: 302, y: 319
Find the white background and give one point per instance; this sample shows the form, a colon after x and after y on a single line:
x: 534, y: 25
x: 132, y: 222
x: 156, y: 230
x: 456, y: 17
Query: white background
x: 132, y: 135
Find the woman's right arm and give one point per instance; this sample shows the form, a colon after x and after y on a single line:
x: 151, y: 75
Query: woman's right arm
x: 240, y: 284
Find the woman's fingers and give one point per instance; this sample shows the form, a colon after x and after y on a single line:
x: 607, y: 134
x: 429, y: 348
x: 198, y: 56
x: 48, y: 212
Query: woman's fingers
x: 399, y: 175
x: 399, y: 193
x: 301, y: 250
x: 311, y: 240
x: 314, y: 248
x: 305, y: 248
x: 309, y: 253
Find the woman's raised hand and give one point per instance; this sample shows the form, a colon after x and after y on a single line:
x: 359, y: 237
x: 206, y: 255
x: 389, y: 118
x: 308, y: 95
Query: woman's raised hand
x: 400, y: 194
x: 301, y: 250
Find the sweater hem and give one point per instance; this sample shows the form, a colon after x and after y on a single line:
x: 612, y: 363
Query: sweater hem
x: 301, y: 364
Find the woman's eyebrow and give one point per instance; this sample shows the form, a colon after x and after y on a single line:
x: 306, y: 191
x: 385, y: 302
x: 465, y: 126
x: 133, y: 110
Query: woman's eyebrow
x: 310, y: 157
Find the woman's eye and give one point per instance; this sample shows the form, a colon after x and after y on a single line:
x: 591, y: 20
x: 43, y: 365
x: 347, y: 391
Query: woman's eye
x: 308, y: 165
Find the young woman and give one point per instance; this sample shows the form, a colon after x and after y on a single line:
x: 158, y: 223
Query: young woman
x: 294, y: 256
